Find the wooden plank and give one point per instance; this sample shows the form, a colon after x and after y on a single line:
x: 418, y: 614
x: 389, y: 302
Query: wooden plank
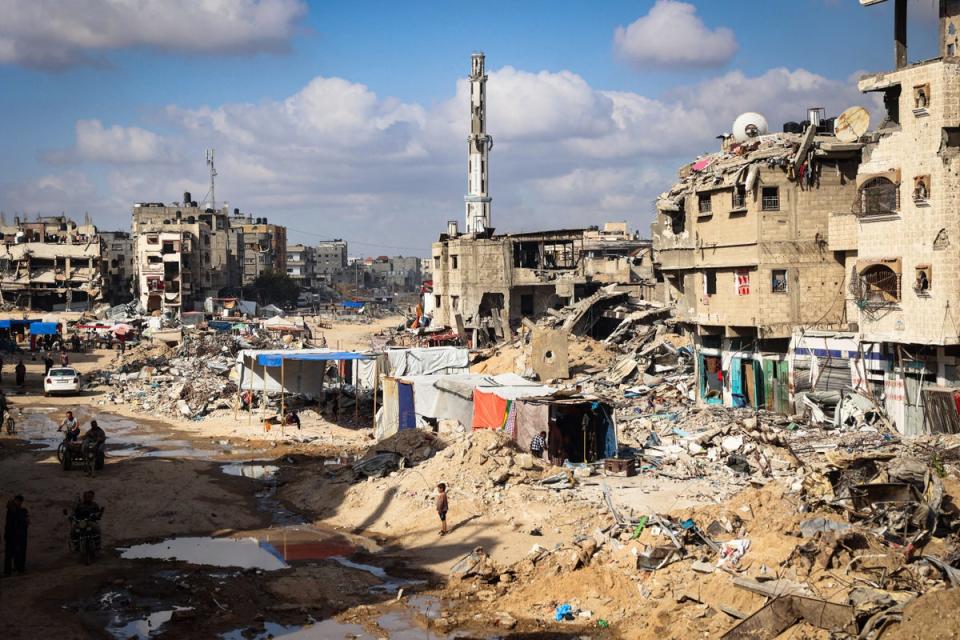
x: 782, y: 613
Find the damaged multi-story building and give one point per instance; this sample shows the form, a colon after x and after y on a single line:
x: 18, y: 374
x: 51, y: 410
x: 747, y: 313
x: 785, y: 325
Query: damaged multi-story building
x: 484, y: 284
x: 51, y: 264
x: 819, y: 272
x: 741, y: 240
x: 184, y: 253
x: 262, y: 246
x: 900, y: 238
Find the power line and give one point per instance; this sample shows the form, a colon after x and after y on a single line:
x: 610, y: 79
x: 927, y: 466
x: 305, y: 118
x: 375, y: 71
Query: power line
x: 370, y: 244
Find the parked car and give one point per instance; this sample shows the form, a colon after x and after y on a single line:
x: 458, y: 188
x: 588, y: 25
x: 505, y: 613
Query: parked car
x: 61, y: 380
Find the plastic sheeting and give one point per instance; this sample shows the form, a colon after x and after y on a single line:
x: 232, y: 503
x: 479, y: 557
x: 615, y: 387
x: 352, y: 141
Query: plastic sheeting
x: 43, y: 328
x: 489, y: 410
x: 427, y: 361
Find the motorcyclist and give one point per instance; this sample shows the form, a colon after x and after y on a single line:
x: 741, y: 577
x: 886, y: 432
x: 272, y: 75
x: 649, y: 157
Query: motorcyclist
x: 87, y: 508
x: 70, y: 426
x: 95, y: 438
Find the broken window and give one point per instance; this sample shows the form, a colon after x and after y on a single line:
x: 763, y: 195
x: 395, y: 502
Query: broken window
x: 454, y: 262
x: 922, y: 279
x: 778, y: 282
x: 921, y: 97
x: 880, y: 283
x: 879, y: 196
x: 891, y: 102
x: 678, y: 219
x: 153, y: 240
x: 558, y: 255
x: 437, y: 301
x: 436, y: 262
x: 526, y: 304
x: 704, y: 205
x: 739, y: 197
x: 710, y: 283
x: 921, y: 188
x: 455, y: 302
x: 771, y: 198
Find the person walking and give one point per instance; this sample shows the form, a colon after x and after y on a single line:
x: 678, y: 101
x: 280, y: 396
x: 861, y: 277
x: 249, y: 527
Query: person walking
x: 442, y: 506
x: 15, y: 537
x: 64, y: 358
x: 47, y: 363
x: 21, y: 372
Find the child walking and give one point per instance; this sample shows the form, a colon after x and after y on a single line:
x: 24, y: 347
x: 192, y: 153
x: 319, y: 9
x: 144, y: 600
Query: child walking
x: 442, y: 507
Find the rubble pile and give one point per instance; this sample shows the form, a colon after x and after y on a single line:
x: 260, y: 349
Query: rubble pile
x: 187, y: 381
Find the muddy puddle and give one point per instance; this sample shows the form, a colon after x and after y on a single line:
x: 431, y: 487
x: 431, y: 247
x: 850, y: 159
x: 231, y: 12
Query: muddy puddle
x: 144, y: 627
x: 126, y: 438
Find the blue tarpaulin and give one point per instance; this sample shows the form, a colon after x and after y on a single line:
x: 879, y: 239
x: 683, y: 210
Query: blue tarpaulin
x: 408, y: 415
x: 351, y: 304
x: 43, y: 328
x: 274, y: 359
x: 16, y: 324
x: 220, y: 325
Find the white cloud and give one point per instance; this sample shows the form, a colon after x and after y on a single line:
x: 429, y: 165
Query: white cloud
x: 53, y: 34
x: 114, y: 145
x: 673, y: 35
x: 336, y: 159
x: 52, y: 194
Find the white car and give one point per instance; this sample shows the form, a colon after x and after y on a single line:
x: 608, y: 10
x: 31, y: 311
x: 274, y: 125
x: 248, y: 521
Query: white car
x: 61, y: 380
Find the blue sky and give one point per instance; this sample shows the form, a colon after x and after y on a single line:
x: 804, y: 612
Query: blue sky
x: 349, y: 119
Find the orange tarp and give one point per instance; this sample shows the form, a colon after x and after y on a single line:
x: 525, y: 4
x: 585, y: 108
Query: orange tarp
x: 489, y: 410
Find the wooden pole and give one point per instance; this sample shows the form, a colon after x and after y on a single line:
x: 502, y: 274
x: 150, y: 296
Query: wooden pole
x: 283, y: 412
x: 376, y: 383
x: 263, y: 397
x: 356, y: 391
x: 339, y: 387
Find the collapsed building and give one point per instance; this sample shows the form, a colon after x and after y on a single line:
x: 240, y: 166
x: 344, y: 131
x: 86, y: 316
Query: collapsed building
x: 818, y: 261
x: 51, y: 264
x: 484, y: 284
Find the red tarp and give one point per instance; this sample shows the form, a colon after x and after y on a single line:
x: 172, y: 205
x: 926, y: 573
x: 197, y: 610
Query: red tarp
x: 489, y: 410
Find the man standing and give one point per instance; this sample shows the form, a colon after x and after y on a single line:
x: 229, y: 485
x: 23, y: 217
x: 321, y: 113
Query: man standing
x: 47, y: 363
x: 15, y: 537
x: 21, y: 372
x: 538, y: 444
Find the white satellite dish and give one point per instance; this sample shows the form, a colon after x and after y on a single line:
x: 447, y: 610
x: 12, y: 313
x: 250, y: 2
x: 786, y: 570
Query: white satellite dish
x: 851, y: 124
x: 748, y: 126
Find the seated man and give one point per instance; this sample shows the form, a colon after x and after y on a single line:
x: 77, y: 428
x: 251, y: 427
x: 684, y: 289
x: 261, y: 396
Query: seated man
x: 292, y: 418
x: 95, y: 437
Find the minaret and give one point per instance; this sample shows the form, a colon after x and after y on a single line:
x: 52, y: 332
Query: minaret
x: 478, y: 150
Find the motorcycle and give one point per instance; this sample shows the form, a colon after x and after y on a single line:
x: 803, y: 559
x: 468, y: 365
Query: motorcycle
x: 85, y: 535
x: 89, y: 455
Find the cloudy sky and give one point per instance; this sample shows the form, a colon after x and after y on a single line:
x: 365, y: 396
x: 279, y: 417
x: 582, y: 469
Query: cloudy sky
x: 349, y: 119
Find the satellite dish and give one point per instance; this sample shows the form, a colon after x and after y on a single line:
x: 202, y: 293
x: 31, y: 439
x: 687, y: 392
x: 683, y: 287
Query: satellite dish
x: 748, y: 126
x: 851, y: 124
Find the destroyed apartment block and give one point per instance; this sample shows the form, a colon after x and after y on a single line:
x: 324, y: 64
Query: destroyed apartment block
x: 493, y: 282
x: 828, y: 233
x: 51, y: 264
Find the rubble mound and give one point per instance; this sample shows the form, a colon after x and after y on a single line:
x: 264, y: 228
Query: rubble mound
x: 188, y: 381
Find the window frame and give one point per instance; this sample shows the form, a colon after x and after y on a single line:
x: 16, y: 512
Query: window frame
x: 770, y: 203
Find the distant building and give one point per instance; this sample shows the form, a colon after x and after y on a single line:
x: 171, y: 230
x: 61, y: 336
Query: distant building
x: 331, y: 259
x: 51, y: 264
x: 183, y: 254
x: 263, y: 247
x: 118, y: 265
x: 301, y: 265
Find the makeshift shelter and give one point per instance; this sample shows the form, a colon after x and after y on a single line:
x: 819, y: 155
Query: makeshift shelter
x: 491, y: 403
x: 417, y: 401
x: 425, y: 361
x: 578, y: 429
x: 294, y: 371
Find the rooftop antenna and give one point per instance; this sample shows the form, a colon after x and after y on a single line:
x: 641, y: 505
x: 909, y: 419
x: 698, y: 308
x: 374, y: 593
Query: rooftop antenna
x: 213, y: 174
